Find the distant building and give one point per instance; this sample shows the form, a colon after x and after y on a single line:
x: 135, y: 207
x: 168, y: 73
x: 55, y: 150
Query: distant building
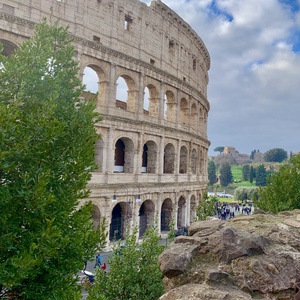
x: 232, y: 152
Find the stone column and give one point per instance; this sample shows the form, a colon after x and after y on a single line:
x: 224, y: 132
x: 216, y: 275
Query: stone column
x: 188, y: 209
x: 158, y: 210
x: 111, y: 93
x: 138, y: 152
x: 110, y: 161
x: 176, y: 211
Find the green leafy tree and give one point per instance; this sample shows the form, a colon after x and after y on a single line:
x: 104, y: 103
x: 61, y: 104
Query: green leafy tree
x: 245, y: 193
x: 211, y: 169
x: 134, y: 271
x: 261, y: 176
x: 172, y: 232
x: 47, y: 141
x: 275, y: 155
x: 246, y: 172
x: 252, y: 174
x: 282, y: 191
x: 225, y: 174
x: 219, y: 149
x: 206, y: 208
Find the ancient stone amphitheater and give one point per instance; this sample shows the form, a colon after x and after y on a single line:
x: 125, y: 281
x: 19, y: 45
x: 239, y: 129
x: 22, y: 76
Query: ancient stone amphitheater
x: 152, y: 154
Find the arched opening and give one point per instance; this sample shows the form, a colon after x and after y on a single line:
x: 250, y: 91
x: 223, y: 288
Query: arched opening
x: 146, y: 214
x: 122, y: 93
x: 90, y: 80
x: 146, y: 100
x: 184, y: 112
x: 166, y: 215
x: 193, y: 209
x: 181, y: 213
x: 120, y: 220
x: 116, y: 225
x: 194, y: 161
x: 145, y: 159
x: 126, y: 93
x: 8, y: 47
x: 94, y: 81
x: 124, y: 156
x: 183, y: 160
x: 96, y: 215
x: 119, y: 156
x: 149, y: 158
x: 169, y: 159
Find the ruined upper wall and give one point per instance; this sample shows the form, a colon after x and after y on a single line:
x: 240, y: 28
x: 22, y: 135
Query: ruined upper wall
x: 153, y: 34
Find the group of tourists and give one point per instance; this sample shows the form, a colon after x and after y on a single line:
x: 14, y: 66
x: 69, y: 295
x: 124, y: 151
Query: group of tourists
x: 227, y: 211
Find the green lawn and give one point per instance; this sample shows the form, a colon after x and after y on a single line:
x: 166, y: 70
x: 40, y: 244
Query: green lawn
x: 237, y: 173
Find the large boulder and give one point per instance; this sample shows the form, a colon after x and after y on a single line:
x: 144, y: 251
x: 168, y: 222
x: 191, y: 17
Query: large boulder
x: 248, y: 257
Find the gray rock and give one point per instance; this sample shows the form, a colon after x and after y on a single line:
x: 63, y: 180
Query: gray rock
x: 248, y: 257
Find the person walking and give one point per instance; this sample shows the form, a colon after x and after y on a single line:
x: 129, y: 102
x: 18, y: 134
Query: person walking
x: 104, y: 267
x: 98, y: 261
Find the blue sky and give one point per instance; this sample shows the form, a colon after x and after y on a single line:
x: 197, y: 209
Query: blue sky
x: 254, y: 87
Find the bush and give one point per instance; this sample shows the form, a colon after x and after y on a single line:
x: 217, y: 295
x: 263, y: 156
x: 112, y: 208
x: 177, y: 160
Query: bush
x: 282, y: 191
x: 135, y: 274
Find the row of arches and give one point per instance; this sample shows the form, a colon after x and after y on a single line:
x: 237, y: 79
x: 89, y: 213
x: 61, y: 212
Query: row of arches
x: 124, y: 215
x: 154, y: 100
x: 127, y: 155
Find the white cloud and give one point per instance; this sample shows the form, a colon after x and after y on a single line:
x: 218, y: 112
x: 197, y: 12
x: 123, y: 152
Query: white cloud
x: 254, y: 76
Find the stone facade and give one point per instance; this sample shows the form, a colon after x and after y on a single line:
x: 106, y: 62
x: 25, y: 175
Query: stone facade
x: 157, y: 155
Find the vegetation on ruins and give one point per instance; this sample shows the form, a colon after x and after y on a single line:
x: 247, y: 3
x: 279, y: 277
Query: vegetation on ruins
x: 47, y: 141
x: 134, y: 270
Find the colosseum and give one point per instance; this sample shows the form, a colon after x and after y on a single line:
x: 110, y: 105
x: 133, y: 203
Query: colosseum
x: 153, y: 145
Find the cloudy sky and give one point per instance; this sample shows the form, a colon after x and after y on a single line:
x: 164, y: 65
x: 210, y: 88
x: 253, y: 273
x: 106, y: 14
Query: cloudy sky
x: 254, y: 82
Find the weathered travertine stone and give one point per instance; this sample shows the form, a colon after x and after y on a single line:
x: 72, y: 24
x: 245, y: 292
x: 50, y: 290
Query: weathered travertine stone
x: 257, y: 255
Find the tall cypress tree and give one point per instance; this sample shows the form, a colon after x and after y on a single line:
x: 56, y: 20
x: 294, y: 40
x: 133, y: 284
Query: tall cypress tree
x: 261, y: 176
x: 225, y: 174
x: 246, y: 172
x: 211, y: 169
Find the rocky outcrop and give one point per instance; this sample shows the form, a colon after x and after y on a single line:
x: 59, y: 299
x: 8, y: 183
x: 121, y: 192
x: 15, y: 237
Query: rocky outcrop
x: 248, y: 257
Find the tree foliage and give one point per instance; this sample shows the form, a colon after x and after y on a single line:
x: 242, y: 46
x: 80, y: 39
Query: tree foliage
x: 261, y: 176
x: 211, y: 169
x: 245, y: 193
x: 225, y: 174
x: 47, y: 141
x: 275, y: 155
x: 134, y: 271
x: 206, y: 208
x: 246, y: 172
x: 282, y: 191
x: 219, y: 149
x: 252, y: 174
